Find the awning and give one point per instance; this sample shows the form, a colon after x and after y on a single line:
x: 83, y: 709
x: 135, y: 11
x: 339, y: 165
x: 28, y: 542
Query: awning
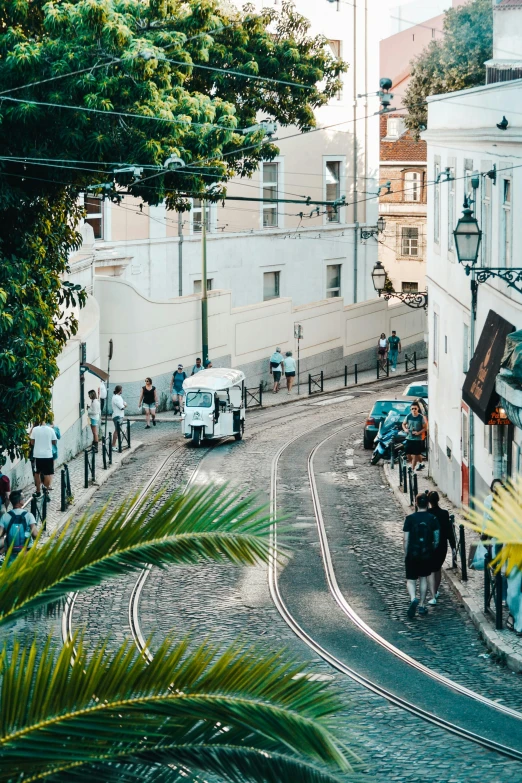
x: 478, y: 390
x: 101, y: 374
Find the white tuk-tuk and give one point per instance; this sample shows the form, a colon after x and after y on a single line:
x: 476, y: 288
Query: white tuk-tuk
x: 214, y: 405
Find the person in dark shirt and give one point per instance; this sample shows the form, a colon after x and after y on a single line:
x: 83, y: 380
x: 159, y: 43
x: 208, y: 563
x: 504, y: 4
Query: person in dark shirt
x: 421, y: 539
x: 446, y: 535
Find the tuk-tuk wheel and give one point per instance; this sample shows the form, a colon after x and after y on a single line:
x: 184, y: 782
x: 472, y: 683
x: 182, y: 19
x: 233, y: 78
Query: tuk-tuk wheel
x: 238, y: 436
x: 196, y: 436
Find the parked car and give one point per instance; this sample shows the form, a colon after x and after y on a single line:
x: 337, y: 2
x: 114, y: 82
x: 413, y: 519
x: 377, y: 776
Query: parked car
x: 417, y: 389
x: 378, y: 413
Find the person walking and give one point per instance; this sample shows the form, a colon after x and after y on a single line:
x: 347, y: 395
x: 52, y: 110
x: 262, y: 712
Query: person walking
x: 149, y: 401
x: 176, y: 388
x: 289, y: 371
x: 415, y: 425
x: 197, y: 367
x: 277, y: 363
x: 394, y: 349
x: 446, y: 535
x: 102, y: 395
x: 118, y: 413
x: 94, y: 417
x: 5, y: 486
x: 17, y: 526
x: 42, y: 439
x: 382, y: 350
x: 421, y: 540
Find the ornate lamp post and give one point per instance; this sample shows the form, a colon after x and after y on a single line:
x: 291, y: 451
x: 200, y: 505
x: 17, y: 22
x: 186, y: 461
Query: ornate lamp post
x: 467, y: 238
x: 413, y: 299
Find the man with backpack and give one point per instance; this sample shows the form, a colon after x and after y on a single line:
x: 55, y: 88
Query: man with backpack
x: 421, y: 539
x: 17, y: 526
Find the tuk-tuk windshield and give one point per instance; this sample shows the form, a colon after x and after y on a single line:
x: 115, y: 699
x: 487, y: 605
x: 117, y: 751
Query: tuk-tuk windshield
x: 199, y: 399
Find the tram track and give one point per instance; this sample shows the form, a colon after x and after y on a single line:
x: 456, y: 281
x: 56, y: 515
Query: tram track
x: 309, y: 638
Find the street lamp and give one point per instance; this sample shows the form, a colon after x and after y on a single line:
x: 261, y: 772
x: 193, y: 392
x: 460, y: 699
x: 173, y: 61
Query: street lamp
x: 413, y: 299
x: 381, y: 225
x: 379, y: 277
x: 467, y: 238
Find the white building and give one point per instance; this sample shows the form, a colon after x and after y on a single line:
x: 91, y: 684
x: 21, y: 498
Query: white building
x: 261, y: 251
x: 467, y: 450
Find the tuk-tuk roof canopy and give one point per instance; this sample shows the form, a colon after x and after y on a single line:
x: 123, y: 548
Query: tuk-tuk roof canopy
x: 215, y: 379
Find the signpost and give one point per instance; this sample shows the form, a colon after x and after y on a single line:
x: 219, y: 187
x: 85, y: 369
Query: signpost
x: 298, y: 334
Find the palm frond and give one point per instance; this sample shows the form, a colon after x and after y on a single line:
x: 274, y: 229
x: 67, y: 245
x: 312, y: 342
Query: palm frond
x: 233, y: 709
x: 502, y: 523
x: 206, y: 524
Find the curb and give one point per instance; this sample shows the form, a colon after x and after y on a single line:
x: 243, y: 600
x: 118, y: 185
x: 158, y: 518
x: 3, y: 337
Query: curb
x: 496, y: 641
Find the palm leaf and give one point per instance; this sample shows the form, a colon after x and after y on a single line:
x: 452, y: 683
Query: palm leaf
x: 502, y: 523
x: 202, y: 525
x: 229, y: 712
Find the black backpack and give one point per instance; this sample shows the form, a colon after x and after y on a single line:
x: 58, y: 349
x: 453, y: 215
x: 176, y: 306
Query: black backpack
x: 421, y: 542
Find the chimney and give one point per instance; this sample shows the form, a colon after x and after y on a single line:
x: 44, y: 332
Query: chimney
x: 506, y: 63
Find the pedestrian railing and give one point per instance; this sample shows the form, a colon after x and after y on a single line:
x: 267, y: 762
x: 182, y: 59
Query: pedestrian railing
x: 66, y: 497
x: 493, y: 587
x: 346, y: 374
x: 39, y: 509
x: 410, y: 360
x: 253, y: 397
x: 107, y: 451
x: 315, y: 383
x: 124, y: 434
x: 460, y: 541
x: 383, y: 369
x: 89, y: 466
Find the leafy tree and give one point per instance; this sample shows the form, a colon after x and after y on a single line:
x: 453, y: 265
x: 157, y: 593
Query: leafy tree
x: 236, y: 715
x: 455, y: 62
x: 147, y: 82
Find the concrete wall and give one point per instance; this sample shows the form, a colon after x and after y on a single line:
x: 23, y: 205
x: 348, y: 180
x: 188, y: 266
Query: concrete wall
x: 152, y: 337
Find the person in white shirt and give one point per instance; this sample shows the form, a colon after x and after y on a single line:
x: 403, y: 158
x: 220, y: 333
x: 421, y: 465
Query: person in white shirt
x: 289, y: 371
x: 102, y: 394
x: 277, y: 363
x: 118, y: 412
x: 43, y: 438
x: 94, y: 417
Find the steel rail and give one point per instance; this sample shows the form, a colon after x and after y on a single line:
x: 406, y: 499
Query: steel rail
x: 336, y: 662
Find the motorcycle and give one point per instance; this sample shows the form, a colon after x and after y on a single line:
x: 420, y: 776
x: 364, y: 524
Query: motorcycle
x: 390, y: 438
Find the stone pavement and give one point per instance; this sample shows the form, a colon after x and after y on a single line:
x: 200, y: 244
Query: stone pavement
x: 504, y: 644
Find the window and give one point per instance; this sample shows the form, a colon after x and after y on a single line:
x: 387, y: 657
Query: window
x: 94, y: 208
x: 409, y: 241
x: 410, y: 288
x: 271, y: 285
x: 436, y: 202
x: 335, y: 49
x: 412, y: 186
x: 452, y: 222
x: 333, y: 280
x: 270, y: 191
x: 198, y: 399
x: 333, y: 189
x: 435, y: 338
x: 394, y: 127
x: 506, y: 222
x: 486, y: 220
x: 197, y: 216
x: 468, y: 173
x: 488, y: 439
x: 465, y: 348
x: 197, y: 285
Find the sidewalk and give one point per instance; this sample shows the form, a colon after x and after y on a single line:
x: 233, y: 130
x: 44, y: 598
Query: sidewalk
x: 505, y: 644
x: 56, y: 519
x: 270, y: 399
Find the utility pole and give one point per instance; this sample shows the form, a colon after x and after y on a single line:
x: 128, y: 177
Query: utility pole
x: 180, y: 254
x: 204, y: 301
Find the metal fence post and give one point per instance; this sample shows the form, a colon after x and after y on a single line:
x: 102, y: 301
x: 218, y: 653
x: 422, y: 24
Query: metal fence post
x: 414, y: 360
x: 487, y: 581
x: 498, y: 601
x: 415, y: 486
x: 346, y: 375
x: 410, y: 482
x: 86, y: 469
x: 462, y: 547
x: 62, y: 490
x: 261, y: 394
x: 309, y: 384
x: 387, y: 368
x: 128, y: 434
x: 322, y: 379
x: 45, y: 501
x: 355, y: 373
x: 377, y: 369
x: 405, y: 479
x: 104, y: 454
x: 110, y: 450
x: 118, y: 429
x: 93, y: 468
x: 33, y: 507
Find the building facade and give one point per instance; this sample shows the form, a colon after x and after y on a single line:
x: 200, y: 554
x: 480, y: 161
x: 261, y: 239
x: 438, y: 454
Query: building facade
x: 472, y: 154
x: 261, y: 250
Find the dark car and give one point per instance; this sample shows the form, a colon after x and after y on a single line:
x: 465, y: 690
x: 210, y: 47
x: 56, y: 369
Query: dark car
x: 378, y: 413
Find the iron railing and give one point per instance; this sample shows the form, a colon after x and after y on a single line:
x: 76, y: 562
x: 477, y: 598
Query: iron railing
x: 253, y: 397
x: 39, y: 508
x: 123, y: 434
x: 315, y: 386
x: 89, y: 467
x: 107, y: 451
x: 412, y: 359
x: 65, y: 488
x: 460, y: 541
x: 384, y: 371
x: 493, y: 589
x: 346, y: 375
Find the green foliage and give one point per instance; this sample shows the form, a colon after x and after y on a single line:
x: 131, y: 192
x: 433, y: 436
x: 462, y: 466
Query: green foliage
x: 237, y: 714
x: 134, y: 57
x: 455, y: 62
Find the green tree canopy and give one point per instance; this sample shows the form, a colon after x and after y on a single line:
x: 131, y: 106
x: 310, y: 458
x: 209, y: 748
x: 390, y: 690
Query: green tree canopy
x: 455, y: 62
x: 89, y: 87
